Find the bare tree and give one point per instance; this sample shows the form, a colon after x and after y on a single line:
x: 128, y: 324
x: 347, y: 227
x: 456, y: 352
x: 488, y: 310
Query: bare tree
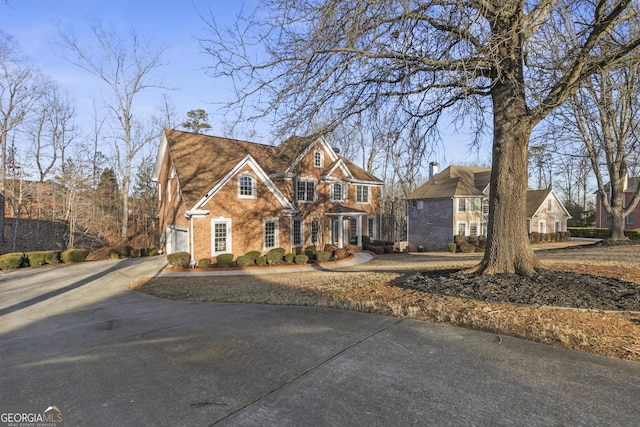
x: 19, y: 90
x: 605, y: 116
x: 517, y: 59
x: 127, y: 69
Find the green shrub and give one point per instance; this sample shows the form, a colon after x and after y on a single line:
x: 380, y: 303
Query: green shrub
x: 275, y: 255
x: 467, y: 248
x: 366, y: 241
x: 74, y: 255
x: 224, y: 260
x: 261, y: 260
x: 134, y: 253
x: 243, y: 261
x: 453, y: 248
x: 152, y: 251
x: 253, y: 255
x: 310, y: 254
x: 204, y: 262
x: 114, y: 255
x: 179, y: 259
x: 328, y: 247
x: 289, y: 257
x: 301, y: 259
x: 599, y: 233
x: 52, y: 257
x: 13, y: 260
x: 37, y: 258
x: 323, y: 256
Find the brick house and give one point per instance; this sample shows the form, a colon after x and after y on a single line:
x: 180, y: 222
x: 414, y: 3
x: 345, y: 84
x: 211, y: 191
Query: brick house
x: 219, y: 195
x: 456, y: 201
x: 633, y: 219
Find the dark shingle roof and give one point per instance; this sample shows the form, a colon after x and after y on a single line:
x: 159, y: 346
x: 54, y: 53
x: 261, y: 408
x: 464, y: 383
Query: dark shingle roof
x: 454, y: 181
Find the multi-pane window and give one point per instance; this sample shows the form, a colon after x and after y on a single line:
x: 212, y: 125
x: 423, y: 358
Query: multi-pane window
x: 630, y: 218
x: 221, y: 236
x: 462, y: 229
x: 557, y: 226
x: 315, y: 231
x: 483, y: 228
x: 549, y: 204
x: 270, y: 233
x: 542, y: 227
x: 306, y: 191
x: 246, y: 186
x: 353, y: 229
x: 362, y: 194
x: 317, y: 159
x: 296, y: 232
x: 471, y: 204
x: 485, y: 206
x: 473, y: 229
x: 337, y: 192
x: 371, y: 227
x: 420, y: 204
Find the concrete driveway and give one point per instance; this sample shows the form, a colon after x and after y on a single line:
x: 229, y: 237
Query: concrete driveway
x: 75, y: 337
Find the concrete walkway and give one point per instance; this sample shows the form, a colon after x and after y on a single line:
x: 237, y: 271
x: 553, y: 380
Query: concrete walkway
x: 358, y: 258
x: 77, y: 338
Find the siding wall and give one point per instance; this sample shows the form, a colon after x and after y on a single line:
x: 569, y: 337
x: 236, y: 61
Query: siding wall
x: 432, y: 226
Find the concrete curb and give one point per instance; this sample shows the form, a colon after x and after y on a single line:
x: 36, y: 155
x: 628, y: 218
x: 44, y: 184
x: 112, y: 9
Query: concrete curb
x: 358, y: 258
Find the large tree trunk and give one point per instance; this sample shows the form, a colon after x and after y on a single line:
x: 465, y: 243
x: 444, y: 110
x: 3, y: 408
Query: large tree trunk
x: 508, y: 248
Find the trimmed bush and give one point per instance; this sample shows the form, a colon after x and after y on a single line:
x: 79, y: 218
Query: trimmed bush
x: 204, y: 262
x: 459, y: 239
x: 453, y: 248
x: 328, y: 247
x: 253, y: 255
x: 13, y: 260
x: 114, y: 255
x: 378, y: 250
x: 151, y: 251
x: 275, y: 255
x: 311, y: 255
x: 179, y: 259
x: 323, y: 256
x: 224, y: 260
x: 52, y: 257
x: 301, y: 259
x: 289, y: 257
x: 366, y: 241
x: 37, y: 258
x: 467, y: 248
x: 74, y: 255
x: 134, y: 253
x: 261, y: 260
x: 243, y: 261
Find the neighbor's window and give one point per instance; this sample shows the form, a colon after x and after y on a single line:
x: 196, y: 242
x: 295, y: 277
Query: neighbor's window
x: 420, y: 204
x: 549, y: 205
x: 362, y: 194
x: 246, y: 186
x: 473, y: 229
x: 485, y: 206
x: 306, y: 191
x: 475, y: 204
x: 462, y: 205
x: 630, y: 218
x: 462, y: 229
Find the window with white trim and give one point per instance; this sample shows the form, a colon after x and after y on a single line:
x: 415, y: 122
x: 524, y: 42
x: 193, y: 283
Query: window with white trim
x: 318, y: 159
x: 549, y: 204
x: 363, y: 194
x: 353, y: 229
x: 462, y: 229
x: 483, y: 228
x: 297, y: 232
x: 315, y: 231
x: 462, y: 204
x: 306, y: 191
x: 473, y: 229
x: 420, y: 204
x: 220, y: 236
x: 270, y: 233
x: 475, y: 204
x: 542, y: 227
x: 485, y: 207
x: 371, y: 227
x: 630, y: 218
x: 557, y: 226
x: 246, y: 187
x: 337, y: 192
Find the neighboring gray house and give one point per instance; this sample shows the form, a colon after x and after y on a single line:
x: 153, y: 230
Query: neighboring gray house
x: 456, y: 201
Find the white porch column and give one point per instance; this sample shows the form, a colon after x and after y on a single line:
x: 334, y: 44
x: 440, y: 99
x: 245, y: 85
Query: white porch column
x: 340, y: 227
x: 359, y: 230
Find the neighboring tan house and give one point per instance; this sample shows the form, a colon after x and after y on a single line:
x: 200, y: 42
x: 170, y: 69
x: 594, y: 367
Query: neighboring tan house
x: 456, y: 202
x: 633, y: 219
x: 219, y: 195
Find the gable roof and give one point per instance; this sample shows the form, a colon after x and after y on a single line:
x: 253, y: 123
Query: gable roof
x: 536, y: 198
x: 202, y: 161
x: 454, y: 181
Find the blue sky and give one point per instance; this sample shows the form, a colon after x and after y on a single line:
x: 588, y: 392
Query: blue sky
x: 173, y: 24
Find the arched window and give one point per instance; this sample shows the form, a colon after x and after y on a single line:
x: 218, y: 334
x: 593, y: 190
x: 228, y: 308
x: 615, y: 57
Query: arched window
x: 318, y: 159
x: 246, y: 186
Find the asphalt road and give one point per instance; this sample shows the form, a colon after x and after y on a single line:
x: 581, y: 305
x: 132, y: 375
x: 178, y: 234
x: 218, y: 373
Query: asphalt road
x: 75, y: 337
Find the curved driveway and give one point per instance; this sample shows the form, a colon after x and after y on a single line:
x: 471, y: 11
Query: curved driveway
x: 75, y: 337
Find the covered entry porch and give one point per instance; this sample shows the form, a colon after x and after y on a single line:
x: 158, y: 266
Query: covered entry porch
x: 346, y: 225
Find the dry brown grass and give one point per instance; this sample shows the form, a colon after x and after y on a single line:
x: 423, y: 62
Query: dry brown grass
x: 370, y: 288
